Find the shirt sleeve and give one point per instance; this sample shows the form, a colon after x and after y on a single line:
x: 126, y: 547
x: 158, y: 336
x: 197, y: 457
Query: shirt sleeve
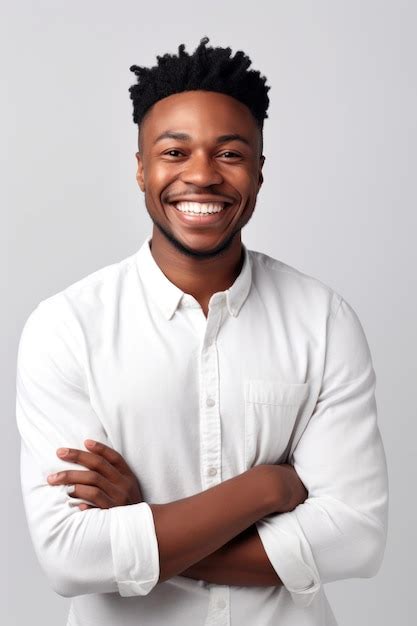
x: 340, y: 530
x: 81, y: 552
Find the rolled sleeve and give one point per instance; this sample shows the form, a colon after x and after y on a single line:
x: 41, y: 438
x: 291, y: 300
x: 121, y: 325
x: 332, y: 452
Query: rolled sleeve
x: 91, y: 551
x: 135, y: 549
x: 340, y: 530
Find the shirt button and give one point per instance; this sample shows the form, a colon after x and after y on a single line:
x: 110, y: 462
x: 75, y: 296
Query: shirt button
x: 221, y: 604
x: 212, y: 471
x: 210, y: 402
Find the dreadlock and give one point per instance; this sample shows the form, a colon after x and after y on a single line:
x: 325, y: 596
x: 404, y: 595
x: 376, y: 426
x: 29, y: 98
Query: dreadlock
x: 208, y: 68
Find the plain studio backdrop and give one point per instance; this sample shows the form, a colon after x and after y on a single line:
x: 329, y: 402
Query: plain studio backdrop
x: 338, y: 202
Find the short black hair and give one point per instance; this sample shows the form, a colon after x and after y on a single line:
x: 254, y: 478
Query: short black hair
x: 208, y: 68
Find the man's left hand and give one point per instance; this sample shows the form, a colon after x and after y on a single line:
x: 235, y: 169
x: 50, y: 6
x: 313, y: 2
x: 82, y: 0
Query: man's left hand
x: 109, y: 482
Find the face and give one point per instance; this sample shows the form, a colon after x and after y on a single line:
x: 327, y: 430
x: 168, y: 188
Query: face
x: 200, y: 150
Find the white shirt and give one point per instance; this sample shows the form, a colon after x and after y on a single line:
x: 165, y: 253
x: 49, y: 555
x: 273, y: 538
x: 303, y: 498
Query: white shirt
x: 279, y: 371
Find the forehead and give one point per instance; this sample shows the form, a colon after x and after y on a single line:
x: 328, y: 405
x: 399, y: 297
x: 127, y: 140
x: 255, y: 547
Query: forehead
x: 200, y: 113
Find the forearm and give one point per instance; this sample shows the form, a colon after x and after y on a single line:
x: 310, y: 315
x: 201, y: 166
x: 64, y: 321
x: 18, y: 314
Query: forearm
x: 242, y: 561
x: 190, y: 529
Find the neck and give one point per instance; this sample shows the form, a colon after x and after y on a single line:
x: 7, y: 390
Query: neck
x: 200, y: 277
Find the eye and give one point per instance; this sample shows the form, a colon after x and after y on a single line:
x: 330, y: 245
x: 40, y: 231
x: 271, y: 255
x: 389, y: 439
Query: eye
x: 233, y: 154
x: 169, y: 153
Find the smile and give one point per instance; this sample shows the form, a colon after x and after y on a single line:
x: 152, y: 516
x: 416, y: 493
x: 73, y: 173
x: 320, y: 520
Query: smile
x: 200, y: 214
x: 200, y: 208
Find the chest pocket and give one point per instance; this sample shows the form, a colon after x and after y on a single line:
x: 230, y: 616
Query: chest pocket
x: 271, y: 409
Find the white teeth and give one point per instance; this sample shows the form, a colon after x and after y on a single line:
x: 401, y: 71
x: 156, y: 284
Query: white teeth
x: 200, y: 207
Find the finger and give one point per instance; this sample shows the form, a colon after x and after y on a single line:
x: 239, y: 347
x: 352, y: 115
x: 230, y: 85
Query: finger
x: 110, y: 454
x: 92, y: 461
x: 94, y: 495
x: 86, y: 477
x: 84, y: 506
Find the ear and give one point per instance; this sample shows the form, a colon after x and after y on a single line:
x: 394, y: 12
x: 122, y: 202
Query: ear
x: 139, y: 172
x: 261, y: 178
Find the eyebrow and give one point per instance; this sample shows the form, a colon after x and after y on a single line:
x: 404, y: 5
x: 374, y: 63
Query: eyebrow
x: 170, y: 134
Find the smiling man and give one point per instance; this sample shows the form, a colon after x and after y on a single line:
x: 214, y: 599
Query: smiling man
x: 234, y: 463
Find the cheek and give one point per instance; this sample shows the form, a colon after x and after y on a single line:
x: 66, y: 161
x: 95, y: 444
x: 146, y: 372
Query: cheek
x: 245, y: 181
x: 156, y: 173
x: 162, y: 179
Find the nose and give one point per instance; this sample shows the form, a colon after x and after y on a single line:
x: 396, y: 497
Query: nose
x: 201, y: 171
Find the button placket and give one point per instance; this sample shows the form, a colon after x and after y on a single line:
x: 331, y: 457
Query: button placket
x: 219, y: 606
x: 218, y: 613
x: 210, y: 426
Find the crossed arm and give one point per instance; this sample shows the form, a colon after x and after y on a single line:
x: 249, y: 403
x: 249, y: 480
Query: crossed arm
x: 210, y: 536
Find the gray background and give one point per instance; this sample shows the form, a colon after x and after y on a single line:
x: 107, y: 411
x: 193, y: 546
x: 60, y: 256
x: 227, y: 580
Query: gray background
x: 338, y: 202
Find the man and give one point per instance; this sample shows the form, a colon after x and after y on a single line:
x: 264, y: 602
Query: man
x: 220, y: 403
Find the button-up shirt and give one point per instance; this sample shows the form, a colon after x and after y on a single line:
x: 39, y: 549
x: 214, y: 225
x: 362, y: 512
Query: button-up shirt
x: 279, y: 371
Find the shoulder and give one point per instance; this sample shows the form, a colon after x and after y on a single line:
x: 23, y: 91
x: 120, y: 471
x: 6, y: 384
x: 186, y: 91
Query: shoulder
x: 315, y: 303
x: 292, y: 285
x: 86, y: 299
x: 301, y: 294
x: 101, y: 284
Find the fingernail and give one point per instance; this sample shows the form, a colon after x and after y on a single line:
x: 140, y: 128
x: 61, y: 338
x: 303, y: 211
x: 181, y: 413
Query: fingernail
x: 90, y: 443
x: 52, y: 476
x: 62, y: 451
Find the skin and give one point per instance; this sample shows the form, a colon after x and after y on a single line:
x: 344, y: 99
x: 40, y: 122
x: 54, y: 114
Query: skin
x: 201, y: 257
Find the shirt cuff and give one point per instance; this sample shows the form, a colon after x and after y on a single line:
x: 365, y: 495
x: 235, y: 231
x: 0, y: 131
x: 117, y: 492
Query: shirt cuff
x: 134, y: 548
x: 290, y: 556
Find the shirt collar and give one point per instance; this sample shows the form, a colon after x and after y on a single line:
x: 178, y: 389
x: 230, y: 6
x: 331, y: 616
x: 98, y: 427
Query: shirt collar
x: 167, y: 296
